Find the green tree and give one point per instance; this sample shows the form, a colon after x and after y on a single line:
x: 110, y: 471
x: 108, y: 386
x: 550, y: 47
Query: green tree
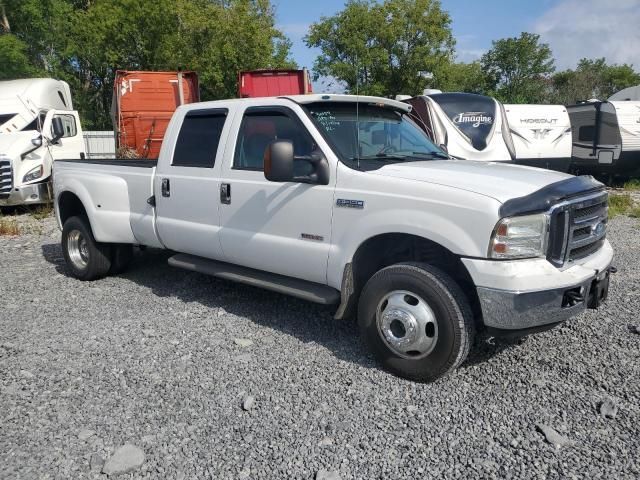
x: 518, y: 68
x: 42, y: 26
x: 14, y: 59
x: 85, y: 41
x: 592, y: 79
x: 380, y: 48
x: 461, y: 77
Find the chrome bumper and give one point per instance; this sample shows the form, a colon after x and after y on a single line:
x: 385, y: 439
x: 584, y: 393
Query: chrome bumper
x: 509, y: 310
x: 29, y: 194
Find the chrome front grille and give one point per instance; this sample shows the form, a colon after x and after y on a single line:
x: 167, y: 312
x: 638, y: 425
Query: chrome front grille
x: 6, y: 178
x: 578, y: 228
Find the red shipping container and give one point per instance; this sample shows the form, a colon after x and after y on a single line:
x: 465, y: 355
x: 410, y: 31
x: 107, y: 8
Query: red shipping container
x: 143, y: 103
x: 273, y: 83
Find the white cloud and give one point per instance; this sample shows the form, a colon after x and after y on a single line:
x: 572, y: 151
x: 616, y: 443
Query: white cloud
x: 294, y: 30
x: 468, y: 55
x: 577, y: 29
x: 466, y: 48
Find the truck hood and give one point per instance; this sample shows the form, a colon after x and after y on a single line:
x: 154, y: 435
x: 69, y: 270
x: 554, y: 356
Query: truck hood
x: 496, y: 180
x: 14, y: 144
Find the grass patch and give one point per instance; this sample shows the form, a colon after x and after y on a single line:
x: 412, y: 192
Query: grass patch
x: 634, y: 212
x: 9, y: 227
x: 632, y: 184
x: 619, y: 204
x: 42, y: 211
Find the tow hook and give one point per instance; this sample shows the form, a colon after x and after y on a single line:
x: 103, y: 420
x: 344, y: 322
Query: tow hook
x: 600, y: 288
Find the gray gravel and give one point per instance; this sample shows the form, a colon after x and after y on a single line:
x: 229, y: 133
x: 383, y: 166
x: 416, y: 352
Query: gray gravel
x: 151, y: 358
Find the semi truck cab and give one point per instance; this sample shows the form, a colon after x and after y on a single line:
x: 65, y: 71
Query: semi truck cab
x: 37, y: 125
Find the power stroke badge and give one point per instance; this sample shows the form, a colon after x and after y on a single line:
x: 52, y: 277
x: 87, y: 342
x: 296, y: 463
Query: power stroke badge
x: 346, y: 203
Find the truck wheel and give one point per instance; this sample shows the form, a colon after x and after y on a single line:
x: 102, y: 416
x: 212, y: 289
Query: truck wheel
x: 86, y: 258
x: 121, y: 256
x: 416, y: 320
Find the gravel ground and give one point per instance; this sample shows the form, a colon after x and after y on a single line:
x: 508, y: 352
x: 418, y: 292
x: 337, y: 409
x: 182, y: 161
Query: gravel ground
x: 209, y: 379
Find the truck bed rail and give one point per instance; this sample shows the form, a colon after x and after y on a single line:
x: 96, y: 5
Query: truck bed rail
x: 121, y: 162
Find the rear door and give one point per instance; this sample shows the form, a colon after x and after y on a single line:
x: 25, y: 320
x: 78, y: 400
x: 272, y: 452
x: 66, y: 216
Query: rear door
x: 187, y: 183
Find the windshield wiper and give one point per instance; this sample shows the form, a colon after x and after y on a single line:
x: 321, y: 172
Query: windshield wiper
x: 379, y: 156
x: 432, y: 154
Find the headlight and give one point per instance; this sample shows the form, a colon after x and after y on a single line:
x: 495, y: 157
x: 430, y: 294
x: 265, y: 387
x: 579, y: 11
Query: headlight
x: 33, y: 174
x: 520, y: 237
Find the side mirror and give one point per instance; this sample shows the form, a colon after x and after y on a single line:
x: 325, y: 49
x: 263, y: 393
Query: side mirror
x: 278, y: 164
x: 444, y: 148
x: 278, y: 161
x: 57, y: 129
x: 36, y: 141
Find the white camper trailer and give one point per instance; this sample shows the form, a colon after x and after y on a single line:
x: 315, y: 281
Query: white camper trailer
x: 606, y: 138
x: 37, y: 125
x: 541, y: 135
x: 468, y: 126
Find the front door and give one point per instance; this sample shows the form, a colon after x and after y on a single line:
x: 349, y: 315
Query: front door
x: 71, y: 145
x: 283, y: 228
x: 186, y: 187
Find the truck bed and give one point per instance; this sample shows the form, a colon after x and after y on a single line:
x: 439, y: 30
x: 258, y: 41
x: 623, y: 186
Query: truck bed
x: 115, y: 193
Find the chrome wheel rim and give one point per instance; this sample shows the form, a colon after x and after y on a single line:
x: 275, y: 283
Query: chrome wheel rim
x: 407, y: 324
x: 78, y: 249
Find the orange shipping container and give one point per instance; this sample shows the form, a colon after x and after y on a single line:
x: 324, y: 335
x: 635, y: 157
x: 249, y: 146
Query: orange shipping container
x: 143, y: 103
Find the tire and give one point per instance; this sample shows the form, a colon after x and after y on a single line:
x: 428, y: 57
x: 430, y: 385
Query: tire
x: 402, y: 301
x: 86, y: 258
x: 121, y: 256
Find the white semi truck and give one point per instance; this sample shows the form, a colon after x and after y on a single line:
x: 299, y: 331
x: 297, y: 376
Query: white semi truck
x: 37, y: 125
x: 344, y: 200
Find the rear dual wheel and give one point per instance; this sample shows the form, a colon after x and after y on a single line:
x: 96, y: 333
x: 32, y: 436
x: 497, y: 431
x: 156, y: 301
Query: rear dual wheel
x: 416, y: 320
x: 88, y: 259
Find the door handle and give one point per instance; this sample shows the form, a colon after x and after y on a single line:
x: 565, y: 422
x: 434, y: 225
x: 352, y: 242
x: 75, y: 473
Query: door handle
x: 166, y: 187
x: 225, y: 193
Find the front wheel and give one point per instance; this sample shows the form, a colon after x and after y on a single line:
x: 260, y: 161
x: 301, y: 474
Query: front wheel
x: 416, y: 320
x: 86, y: 258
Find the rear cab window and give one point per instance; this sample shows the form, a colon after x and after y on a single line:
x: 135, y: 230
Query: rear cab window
x: 199, y: 138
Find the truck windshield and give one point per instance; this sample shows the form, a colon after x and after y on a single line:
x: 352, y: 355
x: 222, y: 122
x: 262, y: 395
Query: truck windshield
x: 372, y: 136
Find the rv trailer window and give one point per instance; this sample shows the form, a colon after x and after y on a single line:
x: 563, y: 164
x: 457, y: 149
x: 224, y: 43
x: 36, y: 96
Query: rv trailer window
x: 586, y: 133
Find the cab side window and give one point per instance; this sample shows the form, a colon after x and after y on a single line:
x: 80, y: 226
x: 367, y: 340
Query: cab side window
x: 261, y: 127
x: 199, y: 137
x: 69, y: 124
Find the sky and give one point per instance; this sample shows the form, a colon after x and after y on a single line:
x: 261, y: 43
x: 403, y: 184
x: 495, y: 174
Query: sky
x: 573, y: 28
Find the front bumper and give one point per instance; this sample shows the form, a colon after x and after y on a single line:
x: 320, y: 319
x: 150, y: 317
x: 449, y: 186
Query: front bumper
x: 567, y: 293
x: 28, y: 194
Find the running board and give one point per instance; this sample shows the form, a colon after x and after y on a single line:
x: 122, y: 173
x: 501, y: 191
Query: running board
x: 310, y: 291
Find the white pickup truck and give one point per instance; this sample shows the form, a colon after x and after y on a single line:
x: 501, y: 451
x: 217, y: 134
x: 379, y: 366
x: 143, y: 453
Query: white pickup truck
x: 343, y: 200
